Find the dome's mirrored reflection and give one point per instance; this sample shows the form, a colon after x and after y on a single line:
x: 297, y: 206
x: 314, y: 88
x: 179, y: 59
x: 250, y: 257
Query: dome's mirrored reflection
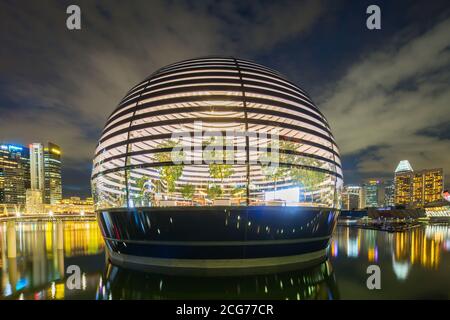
x: 317, y: 282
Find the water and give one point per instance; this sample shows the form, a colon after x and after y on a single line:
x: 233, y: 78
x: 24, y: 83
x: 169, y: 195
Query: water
x: 414, y: 264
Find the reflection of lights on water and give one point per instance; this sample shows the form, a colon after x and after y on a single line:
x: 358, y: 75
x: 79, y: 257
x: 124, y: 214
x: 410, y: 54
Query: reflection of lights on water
x: 352, y: 248
x: 53, y: 290
x: 334, y: 248
x: 401, y: 269
x: 447, y: 245
x: 21, y: 284
x: 38, y: 295
x: 83, y: 282
x: 437, y: 232
x: 7, y: 291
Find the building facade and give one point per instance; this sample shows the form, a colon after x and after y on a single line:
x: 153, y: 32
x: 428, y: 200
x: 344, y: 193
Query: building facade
x: 403, y: 180
x: 389, y: 193
x: 373, y: 190
x: 417, y: 188
x: 351, y: 198
x: 14, y: 173
x: 52, y: 174
x: 45, y: 171
x: 427, y: 186
x: 37, y: 166
x: 34, y: 203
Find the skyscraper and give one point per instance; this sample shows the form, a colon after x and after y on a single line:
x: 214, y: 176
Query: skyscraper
x: 14, y: 173
x: 373, y: 193
x: 417, y: 188
x: 45, y: 170
x: 37, y: 166
x: 403, y: 180
x: 427, y: 186
x: 52, y: 174
x: 389, y: 193
x: 351, y: 197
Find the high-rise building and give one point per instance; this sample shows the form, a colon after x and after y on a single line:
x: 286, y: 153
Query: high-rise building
x: 52, y: 174
x: 417, y: 188
x: 351, y: 197
x: 389, y: 193
x: 34, y: 203
x: 403, y: 180
x: 14, y: 173
x: 427, y: 186
x: 37, y: 166
x: 46, y: 171
x: 373, y: 193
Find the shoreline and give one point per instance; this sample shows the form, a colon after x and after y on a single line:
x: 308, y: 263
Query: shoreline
x: 45, y: 217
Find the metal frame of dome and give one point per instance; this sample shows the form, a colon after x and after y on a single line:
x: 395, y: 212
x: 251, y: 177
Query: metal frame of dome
x: 146, y: 220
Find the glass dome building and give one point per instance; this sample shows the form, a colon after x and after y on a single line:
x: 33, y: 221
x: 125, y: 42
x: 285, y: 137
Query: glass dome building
x: 216, y: 163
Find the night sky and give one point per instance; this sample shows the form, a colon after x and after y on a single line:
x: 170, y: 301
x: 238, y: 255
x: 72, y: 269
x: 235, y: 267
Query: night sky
x: 385, y: 92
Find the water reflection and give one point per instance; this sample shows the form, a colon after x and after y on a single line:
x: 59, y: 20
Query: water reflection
x: 313, y: 283
x: 422, y: 245
x: 34, y: 257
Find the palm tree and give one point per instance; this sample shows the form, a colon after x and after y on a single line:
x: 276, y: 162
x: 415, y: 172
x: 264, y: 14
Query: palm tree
x: 142, y: 185
x: 280, y: 171
x: 220, y: 171
x: 169, y: 173
x: 188, y: 191
x: 214, y: 191
x: 310, y: 179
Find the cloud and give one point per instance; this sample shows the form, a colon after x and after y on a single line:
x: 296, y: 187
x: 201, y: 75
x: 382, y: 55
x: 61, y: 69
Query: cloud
x: 259, y: 25
x: 49, y: 127
x: 390, y: 100
x: 79, y: 76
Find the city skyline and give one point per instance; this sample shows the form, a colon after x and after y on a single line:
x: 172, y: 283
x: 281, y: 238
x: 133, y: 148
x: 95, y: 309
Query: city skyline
x: 30, y: 174
x: 225, y: 150
x: 382, y: 78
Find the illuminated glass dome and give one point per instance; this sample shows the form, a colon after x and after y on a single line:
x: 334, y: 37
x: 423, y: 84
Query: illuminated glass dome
x: 197, y: 105
x: 216, y: 163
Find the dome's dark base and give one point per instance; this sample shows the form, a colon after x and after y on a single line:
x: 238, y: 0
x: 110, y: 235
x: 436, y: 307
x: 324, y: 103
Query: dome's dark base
x: 225, y: 240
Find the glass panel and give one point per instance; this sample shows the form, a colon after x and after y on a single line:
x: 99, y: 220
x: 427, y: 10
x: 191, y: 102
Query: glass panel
x: 109, y: 190
x: 207, y: 128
